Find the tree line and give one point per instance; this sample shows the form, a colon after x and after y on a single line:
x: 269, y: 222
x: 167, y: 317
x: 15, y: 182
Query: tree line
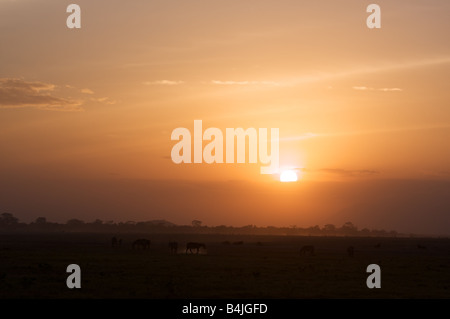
x: 8, y: 222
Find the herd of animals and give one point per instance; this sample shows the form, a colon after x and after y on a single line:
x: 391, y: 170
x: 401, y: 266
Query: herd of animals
x: 194, y: 247
x: 143, y: 243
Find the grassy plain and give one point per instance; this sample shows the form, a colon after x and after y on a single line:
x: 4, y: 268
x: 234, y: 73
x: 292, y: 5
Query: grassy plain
x: 34, y: 266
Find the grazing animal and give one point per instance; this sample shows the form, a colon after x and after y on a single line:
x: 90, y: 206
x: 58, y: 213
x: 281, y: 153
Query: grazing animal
x: 238, y: 243
x: 421, y: 247
x: 197, y: 246
x: 141, y: 243
x: 351, y: 251
x: 377, y: 245
x: 226, y: 242
x: 173, y: 247
x: 308, y: 249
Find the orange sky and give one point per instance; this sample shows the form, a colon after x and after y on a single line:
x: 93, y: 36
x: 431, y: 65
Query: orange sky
x: 360, y: 111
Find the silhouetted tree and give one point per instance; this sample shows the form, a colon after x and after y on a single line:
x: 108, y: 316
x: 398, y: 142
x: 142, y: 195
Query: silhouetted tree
x: 329, y: 229
x: 8, y: 220
x: 365, y: 232
x: 349, y: 228
x: 41, y: 221
x: 393, y: 233
x: 196, y: 223
x: 75, y: 223
x: 379, y: 232
x: 97, y: 222
x: 96, y: 225
x: 313, y: 230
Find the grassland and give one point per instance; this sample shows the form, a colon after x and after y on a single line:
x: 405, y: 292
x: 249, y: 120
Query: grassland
x: 34, y: 266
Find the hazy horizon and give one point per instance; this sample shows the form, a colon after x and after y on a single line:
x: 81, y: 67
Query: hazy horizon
x: 384, y: 204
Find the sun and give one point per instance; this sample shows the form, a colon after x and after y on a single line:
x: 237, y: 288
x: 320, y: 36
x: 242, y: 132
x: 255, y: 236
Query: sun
x: 288, y: 176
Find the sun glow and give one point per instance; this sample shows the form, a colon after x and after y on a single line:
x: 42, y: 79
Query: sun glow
x: 288, y: 176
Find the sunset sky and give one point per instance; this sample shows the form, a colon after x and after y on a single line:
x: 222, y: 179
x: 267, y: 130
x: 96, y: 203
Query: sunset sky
x: 86, y: 115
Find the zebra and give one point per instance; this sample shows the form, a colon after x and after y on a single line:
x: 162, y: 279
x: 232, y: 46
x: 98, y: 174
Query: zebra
x: 173, y: 247
x: 141, y: 243
x: 190, y: 246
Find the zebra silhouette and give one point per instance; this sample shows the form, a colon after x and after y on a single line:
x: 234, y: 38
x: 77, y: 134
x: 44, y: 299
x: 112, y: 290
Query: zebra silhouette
x: 197, y: 246
x: 141, y: 243
x: 173, y: 247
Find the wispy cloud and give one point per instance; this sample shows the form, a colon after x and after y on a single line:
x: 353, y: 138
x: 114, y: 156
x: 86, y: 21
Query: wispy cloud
x: 366, y: 132
x: 87, y: 91
x: 436, y: 173
x: 344, y: 172
x: 365, y: 88
x: 18, y: 93
x: 163, y: 82
x: 104, y: 100
x: 390, y: 89
x: 370, y: 69
x: 244, y: 82
x: 322, y: 76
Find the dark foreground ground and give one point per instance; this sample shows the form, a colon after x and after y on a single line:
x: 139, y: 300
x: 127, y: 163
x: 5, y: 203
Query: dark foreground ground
x: 34, y: 266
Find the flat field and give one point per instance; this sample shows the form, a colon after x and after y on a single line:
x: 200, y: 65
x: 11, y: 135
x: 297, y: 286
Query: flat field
x: 270, y: 267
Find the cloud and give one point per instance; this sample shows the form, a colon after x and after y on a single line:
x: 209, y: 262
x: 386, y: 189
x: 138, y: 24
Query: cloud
x: 18, y: 93
x: 244, y: 82
x: 370, y: 69
x: 87, y: 91
x: 163, y: 82
x: 104, y: 100
x: 436, y: 174
x: 366, y: 132
x: 365, y: 88
x: 346, y: 173
x: 360, y: 88
x: 390, y: 89
x: 389, y: 130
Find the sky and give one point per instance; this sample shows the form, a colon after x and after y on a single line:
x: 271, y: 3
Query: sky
x: 86, y: 115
